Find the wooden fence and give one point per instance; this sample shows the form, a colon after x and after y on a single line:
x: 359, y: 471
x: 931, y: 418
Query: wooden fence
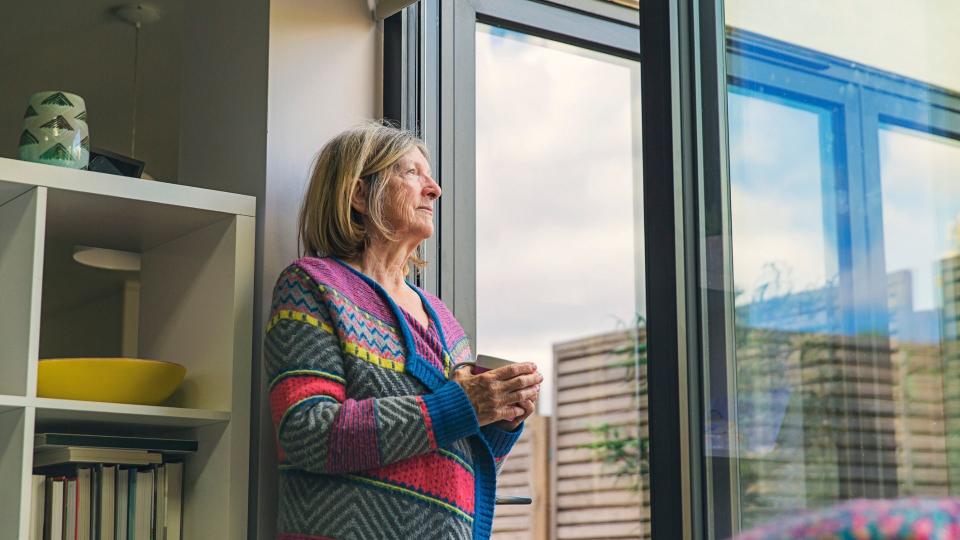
x: 599, y: 382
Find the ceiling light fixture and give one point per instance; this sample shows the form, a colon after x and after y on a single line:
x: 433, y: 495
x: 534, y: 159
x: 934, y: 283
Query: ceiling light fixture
x: 136, y: 15
x: 107, y: 259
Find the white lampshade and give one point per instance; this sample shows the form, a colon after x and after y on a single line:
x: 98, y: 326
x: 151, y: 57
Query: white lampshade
x: 107, y: 259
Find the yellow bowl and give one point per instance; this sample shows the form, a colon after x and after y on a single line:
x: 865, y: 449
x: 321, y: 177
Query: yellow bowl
x: 117, y: 380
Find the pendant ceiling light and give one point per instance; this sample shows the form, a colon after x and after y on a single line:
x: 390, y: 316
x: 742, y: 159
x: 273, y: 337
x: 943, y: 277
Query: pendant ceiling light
x: 136, y: 15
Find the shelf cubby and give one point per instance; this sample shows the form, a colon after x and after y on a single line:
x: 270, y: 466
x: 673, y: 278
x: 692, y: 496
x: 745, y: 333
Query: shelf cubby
x: 194, y: 306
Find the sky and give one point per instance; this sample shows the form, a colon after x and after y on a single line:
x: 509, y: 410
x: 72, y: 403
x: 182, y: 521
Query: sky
x: 775, y: 195
x: 921, y: 194
x: 777, y: 199
x: 557, y: 180
x: 558, y: 188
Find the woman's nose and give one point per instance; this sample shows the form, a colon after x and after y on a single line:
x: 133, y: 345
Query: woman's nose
x: 432, y: 189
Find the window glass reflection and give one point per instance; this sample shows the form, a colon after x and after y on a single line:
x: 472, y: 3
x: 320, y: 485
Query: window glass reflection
x: 845, y: 235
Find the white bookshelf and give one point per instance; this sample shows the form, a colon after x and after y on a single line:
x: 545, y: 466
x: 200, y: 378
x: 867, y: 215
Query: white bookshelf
x: 196, y: 308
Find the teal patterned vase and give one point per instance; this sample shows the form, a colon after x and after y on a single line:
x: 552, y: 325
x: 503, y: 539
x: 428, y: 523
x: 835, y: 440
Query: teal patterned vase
x: 55, y: 130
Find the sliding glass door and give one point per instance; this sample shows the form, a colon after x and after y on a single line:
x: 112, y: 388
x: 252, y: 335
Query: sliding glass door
x: 843, y: 195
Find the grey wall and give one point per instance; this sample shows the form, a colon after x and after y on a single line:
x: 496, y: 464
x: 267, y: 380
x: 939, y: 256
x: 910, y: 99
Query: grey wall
x: 90, y: 329
x: 324, y: 77
x: 223, y: 96
x: 81, y: 48
x: 223, y: 136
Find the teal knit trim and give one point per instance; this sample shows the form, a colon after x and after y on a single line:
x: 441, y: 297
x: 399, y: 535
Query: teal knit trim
x: 501, y: 440
x: 451, y: 414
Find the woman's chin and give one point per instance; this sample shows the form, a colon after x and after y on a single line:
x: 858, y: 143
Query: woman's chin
x: 418, y: 233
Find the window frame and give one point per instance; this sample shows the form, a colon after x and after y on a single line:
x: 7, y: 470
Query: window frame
x: 447, y: 121
x: 686, y: 202
x: 682, y: 118
x: 458, y: 117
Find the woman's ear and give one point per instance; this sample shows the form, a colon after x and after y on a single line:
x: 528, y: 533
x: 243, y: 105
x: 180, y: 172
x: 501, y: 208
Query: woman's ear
x: 359, y: 198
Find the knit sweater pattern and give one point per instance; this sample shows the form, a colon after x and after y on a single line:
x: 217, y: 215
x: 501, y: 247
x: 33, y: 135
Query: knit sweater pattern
x: 373, y: 440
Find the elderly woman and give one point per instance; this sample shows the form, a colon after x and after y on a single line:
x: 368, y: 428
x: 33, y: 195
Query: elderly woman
x: 379, y: 434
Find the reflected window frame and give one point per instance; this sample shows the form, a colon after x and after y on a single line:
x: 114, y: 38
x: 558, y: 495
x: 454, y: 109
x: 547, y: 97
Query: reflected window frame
x: 862, y: 101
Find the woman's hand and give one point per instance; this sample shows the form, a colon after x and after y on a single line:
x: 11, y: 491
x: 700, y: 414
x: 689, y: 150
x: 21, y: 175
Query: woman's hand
x: 527, y: 406
x: 502, y: 393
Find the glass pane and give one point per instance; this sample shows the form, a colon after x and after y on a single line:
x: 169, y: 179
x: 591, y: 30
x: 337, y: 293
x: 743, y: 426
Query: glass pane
x: 781, y: 284
x: 921, y: 227
x: 841, y: 380
x: 559, y: 276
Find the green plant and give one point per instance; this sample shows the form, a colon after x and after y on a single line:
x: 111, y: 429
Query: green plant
x: 628, y: 453
x: 613, y: 444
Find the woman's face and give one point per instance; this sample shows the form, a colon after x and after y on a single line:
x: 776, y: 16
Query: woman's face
x: 412, y: 193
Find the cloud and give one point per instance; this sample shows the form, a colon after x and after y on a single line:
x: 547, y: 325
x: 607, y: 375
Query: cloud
x: 555, y: 197
x: 776, y: 181
x: 921, y: 203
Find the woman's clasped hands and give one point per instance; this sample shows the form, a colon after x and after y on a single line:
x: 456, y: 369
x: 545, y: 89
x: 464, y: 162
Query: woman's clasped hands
x: 505, y: 396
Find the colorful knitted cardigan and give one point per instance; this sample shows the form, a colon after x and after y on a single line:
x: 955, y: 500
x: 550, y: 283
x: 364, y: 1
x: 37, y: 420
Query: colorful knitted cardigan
x: 374, y: 441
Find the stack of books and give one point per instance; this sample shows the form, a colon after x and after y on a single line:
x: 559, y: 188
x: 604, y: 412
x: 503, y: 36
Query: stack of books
x: 95, y: 487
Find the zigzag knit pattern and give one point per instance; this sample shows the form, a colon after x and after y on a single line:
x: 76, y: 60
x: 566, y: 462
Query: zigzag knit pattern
x: 374, y: 442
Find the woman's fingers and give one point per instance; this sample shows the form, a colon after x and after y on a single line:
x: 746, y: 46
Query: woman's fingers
x: 523, y: 381
x: 501, y: 394
x: 528, y: 408
x: 511, y: 412
x: 530, y: 393
x: 521, y: 411
x: 513, y: 370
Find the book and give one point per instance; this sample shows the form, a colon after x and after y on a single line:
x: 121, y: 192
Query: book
x: 144, y: 505
x: 46, y: 441
x: 485, y: 362
x: 53, y: 508
x: 123, y: 489
x: 132, y: 505
x: 84, y: 496
x: 71, y: 454
x: 94, y: 501
x: 174, y: 523
x: 106, y: 480
x: 70, y: 509
x: 161, y: 501
x: 37, y: 506
x: 108, y: 502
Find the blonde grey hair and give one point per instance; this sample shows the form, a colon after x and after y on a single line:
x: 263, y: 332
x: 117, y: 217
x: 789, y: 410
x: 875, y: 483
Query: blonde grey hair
x: 329, y: 225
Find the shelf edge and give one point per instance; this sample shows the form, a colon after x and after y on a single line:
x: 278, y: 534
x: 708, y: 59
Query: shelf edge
x: 49, y: 404
x: 155, y: 191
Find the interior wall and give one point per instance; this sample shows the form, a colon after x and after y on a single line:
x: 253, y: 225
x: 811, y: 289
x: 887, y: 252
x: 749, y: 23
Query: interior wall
x: 90, y: 329
x: 223, y: 136
x: 223, y: 96
x: 80, y: 47
x: 324, y: 76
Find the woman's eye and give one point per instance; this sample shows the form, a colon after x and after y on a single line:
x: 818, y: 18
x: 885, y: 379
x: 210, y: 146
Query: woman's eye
x: 412, y: 171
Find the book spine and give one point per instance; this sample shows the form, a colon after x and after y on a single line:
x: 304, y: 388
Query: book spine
x: 86, y: 502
